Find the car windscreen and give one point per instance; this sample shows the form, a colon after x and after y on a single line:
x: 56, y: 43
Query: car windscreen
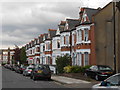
x: 42, y: 67
x: 104, y: 68
x: 30, y: 68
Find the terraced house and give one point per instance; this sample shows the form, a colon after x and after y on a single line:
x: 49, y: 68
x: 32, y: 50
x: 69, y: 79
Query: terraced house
x: 83, y: 39
x: 74, y: 37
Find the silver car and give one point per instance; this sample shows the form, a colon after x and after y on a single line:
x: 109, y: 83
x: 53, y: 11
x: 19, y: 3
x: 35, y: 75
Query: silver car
x: 111, y: 83
x: 27, y: 71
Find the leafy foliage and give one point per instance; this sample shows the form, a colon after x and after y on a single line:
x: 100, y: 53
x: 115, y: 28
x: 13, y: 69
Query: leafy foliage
x: 17, y: 55
x: 75, y: 69
x: 61, y: 62
x: 23, y: 56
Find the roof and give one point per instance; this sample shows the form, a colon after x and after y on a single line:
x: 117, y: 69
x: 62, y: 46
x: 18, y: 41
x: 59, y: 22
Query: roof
x: 89, y: 11
x: 52, y: 33
x: 72, y: 23
x: 62, y: 25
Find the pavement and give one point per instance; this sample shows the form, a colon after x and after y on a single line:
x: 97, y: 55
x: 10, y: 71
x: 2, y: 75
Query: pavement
x: 67, y: 80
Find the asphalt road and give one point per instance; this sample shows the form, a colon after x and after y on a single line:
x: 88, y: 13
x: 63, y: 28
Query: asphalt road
x: 10, y: 79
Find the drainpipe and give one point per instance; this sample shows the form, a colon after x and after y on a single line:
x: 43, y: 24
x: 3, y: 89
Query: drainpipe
x: 71, y: 47
x: 114, y: 37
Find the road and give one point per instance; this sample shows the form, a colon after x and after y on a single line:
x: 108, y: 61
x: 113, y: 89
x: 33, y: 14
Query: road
x: 10, y: 79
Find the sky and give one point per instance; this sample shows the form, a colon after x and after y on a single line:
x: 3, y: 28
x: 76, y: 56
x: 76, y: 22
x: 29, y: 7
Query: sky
x: 23, y: 20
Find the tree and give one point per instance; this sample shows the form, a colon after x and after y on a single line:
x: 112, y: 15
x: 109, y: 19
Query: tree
x: 61, y: 62
x: 17, y: 55
x: 23, y: 56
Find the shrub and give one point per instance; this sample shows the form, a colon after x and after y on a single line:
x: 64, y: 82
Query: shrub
x: 84, y: 68
x: 61, y: 62
x: 76, y: 69
x: 68, y: 69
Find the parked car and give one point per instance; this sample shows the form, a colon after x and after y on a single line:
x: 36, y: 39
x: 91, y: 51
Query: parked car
x: 6, y: 65
x: 111, y: 83
x: 99, y: 72
x: 11, y: 67
x: 41, y: 71
x: 21, y: 69
x: 27, y: 71
x: 17, y: 68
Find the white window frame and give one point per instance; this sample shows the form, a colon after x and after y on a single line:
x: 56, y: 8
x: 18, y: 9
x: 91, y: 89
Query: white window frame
x: 86, y: 53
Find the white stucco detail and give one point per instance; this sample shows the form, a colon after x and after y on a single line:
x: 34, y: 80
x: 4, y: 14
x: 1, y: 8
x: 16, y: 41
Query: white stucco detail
x: 83, y: 50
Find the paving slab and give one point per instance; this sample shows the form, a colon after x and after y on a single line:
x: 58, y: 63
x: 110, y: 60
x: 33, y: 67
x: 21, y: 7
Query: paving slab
x: 67, y: 80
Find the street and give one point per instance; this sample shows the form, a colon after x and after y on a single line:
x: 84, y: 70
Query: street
x: 10, y: 79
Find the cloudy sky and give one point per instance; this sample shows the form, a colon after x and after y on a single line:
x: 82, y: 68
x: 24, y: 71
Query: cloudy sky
x: 23, y: 20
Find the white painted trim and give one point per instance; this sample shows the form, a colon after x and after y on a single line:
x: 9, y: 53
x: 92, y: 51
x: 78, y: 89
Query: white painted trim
x: 37, y: 45
x: 47, y: 55
x: 82, y: 27
x: 65, y: 52
x: 37, y: 56
x: 83, y: 51
x: 65, y: 33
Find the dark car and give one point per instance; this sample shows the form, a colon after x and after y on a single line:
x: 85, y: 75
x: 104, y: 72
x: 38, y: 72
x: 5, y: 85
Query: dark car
x: 41, y: 71
x: 99, y: 72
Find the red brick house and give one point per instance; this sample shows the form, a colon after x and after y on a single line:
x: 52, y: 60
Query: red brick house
x: 83, y: 39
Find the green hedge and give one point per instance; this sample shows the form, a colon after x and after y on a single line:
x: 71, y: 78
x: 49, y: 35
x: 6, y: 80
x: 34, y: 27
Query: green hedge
x: 75, y: 69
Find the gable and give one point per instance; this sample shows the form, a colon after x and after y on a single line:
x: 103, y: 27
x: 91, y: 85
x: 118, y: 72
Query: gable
x: 85, y: 17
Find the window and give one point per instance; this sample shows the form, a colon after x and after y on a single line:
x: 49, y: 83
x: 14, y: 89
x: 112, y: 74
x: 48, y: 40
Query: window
x: 73, y: 39
x: 79, y: 35
x: 114, y: 81
x: 49, y: 46
x: 43, y: 48
x: 86, y: 59
x: 79, y: 59
x: 37, y: 49
x: 62, y: 40
x: 49, y: 60
x: 67, y: 40
x: 58, y: 44
x: 86, y: 34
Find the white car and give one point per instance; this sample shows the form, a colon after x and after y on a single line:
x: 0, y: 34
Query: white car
x: 111, y: 83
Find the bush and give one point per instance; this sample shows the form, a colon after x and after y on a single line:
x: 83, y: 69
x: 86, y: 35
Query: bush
x: 68, y: 69
x: 75, y: 69
x: 84, y: 68
x: 61, y: 62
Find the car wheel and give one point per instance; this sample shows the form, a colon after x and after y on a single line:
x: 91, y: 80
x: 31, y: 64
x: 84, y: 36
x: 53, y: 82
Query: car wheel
x: 31, y: 77
x: 97, y: 77
x: 34, y: 78
x: 49, y: 78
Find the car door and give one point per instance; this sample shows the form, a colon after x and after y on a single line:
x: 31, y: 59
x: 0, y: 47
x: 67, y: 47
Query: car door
x: 93, y: 71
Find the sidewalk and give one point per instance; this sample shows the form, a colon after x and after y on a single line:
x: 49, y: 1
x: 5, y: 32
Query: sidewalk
x: 67, y: 80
